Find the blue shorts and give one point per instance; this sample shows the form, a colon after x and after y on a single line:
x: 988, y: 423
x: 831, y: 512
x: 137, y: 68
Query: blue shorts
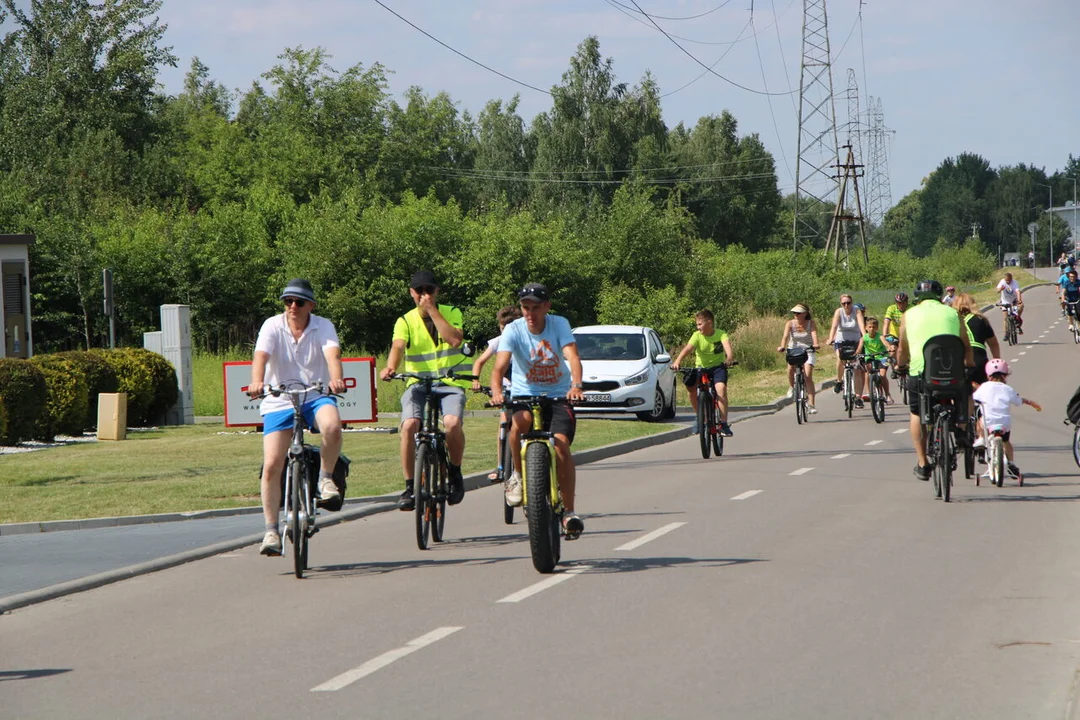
x: 283, y: 419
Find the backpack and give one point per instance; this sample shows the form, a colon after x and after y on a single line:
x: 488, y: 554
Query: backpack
x: 943, y: 366
x: 1072, y: 409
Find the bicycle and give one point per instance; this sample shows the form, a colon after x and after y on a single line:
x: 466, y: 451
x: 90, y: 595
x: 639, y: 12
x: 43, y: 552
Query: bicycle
x: 873, y: 366
x: 797, y: 357
x: 505, y: 457
x: 1076, y: 440
x: 430, y: 482
x: 541, y: 497
x: 298, y: 497
x: 941, y: 447
x: 1074, y: 328
x: 1010, y: 321
x: 847, y: 355
x: 708, y: 412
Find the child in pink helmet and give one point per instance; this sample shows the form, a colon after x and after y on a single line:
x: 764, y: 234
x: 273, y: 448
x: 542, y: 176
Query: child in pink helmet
x: 997, y: 398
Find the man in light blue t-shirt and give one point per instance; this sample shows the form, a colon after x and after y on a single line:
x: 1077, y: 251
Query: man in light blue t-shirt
x: 546, y: 362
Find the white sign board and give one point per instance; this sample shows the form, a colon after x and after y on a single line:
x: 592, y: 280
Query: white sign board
x: 357, y: 404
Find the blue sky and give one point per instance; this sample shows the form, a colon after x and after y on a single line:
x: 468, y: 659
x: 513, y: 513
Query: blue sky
x: 1000, y: 78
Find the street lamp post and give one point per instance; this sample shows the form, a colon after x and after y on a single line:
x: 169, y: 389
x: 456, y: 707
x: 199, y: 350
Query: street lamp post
x: 1049, y: 210
x: 1074, y: 227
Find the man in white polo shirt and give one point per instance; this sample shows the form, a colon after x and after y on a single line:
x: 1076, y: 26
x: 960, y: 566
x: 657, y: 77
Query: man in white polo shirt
x: 296, y: 347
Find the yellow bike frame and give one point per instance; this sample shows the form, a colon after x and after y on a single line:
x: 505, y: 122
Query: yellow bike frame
x: 549, y: 442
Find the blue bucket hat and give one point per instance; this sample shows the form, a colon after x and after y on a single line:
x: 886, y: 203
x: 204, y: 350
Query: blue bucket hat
x: 298, y: 288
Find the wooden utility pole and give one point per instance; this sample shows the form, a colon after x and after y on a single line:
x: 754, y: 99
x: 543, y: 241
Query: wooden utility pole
x: 840, y: 214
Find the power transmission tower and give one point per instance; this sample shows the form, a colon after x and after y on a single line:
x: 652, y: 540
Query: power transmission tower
x: 854, y: 124
x: 842, y: 215
x: 815, y: 183
x: 879, y: 192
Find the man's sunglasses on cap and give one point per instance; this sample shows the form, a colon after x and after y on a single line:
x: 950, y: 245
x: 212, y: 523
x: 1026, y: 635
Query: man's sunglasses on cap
x: 536, y: 292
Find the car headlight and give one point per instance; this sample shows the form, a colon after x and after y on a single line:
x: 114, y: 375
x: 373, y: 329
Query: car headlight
x: 641, y: 377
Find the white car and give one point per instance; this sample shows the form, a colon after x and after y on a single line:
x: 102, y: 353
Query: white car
x: 625, y: 369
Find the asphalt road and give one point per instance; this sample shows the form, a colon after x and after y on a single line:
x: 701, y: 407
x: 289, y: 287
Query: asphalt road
x: 804, y: 574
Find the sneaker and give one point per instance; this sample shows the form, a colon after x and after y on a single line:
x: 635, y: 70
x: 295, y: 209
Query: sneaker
x: 725, y: 430
x: 791, y: 392
x: 858, y: 403
x: 979, y: 443
x: 407, y: 502
x: 328, y: 492
x: 695, y: 429
x: 812, y: 410
x: 512, y: 490
x: 457, y: 485
x: 1014, y: 471
x: 838, y: 388
x: 572, y: 526
x: 1019, y: 330
x: 922, y: 472
x: 271, y: 544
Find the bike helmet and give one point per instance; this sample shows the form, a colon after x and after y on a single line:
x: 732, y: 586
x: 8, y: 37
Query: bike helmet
x: 997, y: 366
x: 928, y: 289
x: 901, y: 297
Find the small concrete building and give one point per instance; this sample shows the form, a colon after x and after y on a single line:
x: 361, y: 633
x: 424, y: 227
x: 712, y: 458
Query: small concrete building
x: 15, y: 295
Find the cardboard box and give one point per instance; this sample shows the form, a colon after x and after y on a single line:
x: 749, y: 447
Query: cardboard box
x: 112, y: 416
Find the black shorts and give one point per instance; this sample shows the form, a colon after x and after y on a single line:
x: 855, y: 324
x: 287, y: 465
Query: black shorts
x: 1070, y: 308
x: 718, y: 374
x: 977, y: 374
x: 558, y: 419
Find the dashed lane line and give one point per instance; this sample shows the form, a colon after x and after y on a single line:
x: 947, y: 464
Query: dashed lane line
x: 901, y: 431
x: 875, y: 442
x: 552, y: 581
x: 661, y: 531
x: 1024, y: 353
x: 375, y: 664
x: 747, y: 494
x: 800, y: 471
x: 841, y: 456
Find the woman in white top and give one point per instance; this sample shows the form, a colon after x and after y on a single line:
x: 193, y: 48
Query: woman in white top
x: 848, y: 327
x: 800, y: 333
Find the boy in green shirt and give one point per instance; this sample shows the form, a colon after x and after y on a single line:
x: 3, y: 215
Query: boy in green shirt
x: 872, y: 347
x: 712, y: 353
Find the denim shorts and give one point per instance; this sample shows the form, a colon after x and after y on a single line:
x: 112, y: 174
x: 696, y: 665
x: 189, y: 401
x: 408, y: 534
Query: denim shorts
x: 283, y: 419
x: 451, y: 400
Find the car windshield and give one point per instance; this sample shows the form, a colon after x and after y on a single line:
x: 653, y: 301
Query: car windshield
x: 610, y: 346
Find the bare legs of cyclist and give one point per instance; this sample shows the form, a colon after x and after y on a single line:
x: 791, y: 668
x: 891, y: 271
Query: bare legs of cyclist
x: 918, y: 441
x: 808, y: 377
x: 721, y: 400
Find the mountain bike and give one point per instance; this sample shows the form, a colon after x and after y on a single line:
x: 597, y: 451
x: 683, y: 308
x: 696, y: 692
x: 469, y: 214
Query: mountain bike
x: 542, y: 499
x: 1010, y: 321
x: 1074, y: 327
x: 847, y: 355
x: 797, y: 357
x: 708, y: 412
x: 504, y: 457
x: 301, y: 486
x: 939, y: 425
x: 430, y: 468
x: 873, y: 366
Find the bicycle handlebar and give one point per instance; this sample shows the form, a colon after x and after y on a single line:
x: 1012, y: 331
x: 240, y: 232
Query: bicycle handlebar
x: 292, y: 392
x: 450, y: 375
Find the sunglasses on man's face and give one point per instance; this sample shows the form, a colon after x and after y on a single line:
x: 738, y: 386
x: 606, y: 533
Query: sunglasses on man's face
x: 846, y: 302
x: 425, y: 290
x: 298, y: 302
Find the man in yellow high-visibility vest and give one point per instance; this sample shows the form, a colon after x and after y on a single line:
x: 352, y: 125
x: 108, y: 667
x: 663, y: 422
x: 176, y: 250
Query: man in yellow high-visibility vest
x: 429, y: 340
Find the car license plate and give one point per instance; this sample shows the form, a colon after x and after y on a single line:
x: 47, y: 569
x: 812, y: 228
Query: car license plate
x: 598, y: 397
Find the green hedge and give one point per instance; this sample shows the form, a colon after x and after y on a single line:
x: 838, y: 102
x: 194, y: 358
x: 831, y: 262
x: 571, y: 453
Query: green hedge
x: 133, y: 378
x: 164, y: 389
x: 3, y: 420
x: 68, y: 398
x: 100, y: 378
x: 24, y: 394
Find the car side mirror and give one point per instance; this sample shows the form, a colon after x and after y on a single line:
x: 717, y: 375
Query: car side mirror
x: 662, y: 358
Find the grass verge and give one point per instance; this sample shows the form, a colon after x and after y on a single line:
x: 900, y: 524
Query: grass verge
x: 204, y: 467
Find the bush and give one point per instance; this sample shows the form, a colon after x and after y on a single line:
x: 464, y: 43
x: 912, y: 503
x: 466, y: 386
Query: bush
x: 100, y: 378
x: 24, y: 394
x: 66, y: 407
x: 3, y: 419
x: 165, y: 390
x: 133, y: 378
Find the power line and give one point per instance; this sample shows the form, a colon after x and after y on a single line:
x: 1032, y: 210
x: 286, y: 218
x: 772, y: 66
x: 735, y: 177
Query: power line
x: 765, y: 82
x: 732, y: 45
x: 691, y: 56
x: 458, y: 52
x: 664, y: 17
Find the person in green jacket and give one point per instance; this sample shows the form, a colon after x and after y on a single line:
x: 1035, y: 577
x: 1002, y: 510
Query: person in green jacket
x: 872, y: 348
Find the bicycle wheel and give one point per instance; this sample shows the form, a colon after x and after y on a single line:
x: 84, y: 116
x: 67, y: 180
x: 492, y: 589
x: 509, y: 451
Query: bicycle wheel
x: 945, y: 455
x: 877, y: 399
x: 704, y: 423
x: 543, y: 522
x: 1076, y: 445
x: 422, y: 493
x: 800, y: 400
x: 438, y: 500
x: 295, y: 527
x: 997, y: 461
x: 932, y: 455
x: 849, y: 392
x: 969, y: 451
x: 717, y: 436
x: 508, y: 469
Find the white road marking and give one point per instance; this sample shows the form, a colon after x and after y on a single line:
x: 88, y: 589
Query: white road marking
x: 1035, y: 340
x: 666, y: 529
x: 841, y: 456
x: 901, y: 431
x: 1028, y: 347
x: 348, y: 678
x: 1024, y: 353
x: 543, y: 585
x: 875, y: 442
x: 1015, y: 360
x: 800, y: 471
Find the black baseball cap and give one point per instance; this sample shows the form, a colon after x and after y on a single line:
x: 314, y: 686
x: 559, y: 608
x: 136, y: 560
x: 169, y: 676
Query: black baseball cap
x: 534, y: 291
x: 423, y: 278
x: 298, y: 288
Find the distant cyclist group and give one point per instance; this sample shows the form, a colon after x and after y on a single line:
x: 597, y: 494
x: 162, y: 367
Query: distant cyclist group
x: 929, y: 341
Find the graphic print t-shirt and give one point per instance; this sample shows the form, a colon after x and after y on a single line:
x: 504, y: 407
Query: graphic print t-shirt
x: 539, y: 367
x: 708, y: 349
